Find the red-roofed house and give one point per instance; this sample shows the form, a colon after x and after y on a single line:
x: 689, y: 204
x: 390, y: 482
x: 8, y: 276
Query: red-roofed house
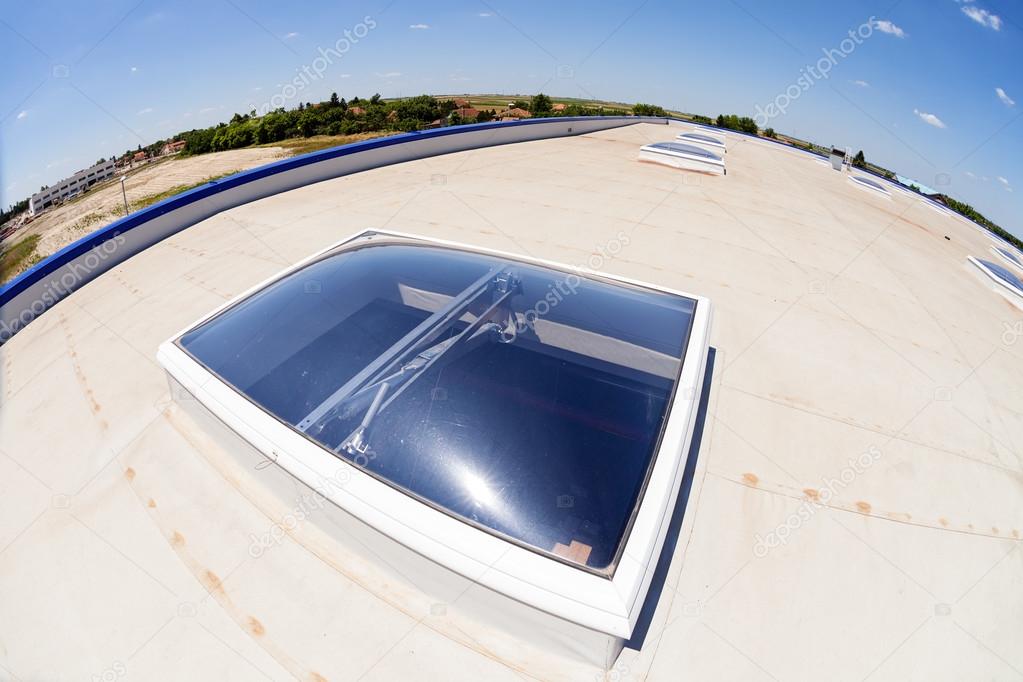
x: 513, y: 113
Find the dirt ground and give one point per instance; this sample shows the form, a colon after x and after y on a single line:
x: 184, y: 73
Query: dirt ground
x: 103, y: 204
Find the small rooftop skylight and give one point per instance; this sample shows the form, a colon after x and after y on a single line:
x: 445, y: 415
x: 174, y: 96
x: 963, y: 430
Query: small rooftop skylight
x: 1008, y: 256
x: 684, y: 156
x: 1001, y: 276
x: 870, y: 184
x: 710, y: 141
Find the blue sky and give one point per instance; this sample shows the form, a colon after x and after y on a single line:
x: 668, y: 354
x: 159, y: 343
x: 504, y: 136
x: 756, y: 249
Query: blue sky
x: 933, y: 91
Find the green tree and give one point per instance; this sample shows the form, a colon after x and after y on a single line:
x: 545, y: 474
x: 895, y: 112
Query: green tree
x: 334, y: 101
x: 859, y: 160
x: 641, y: 109
x: 769, y: 132
x: 540, y: 104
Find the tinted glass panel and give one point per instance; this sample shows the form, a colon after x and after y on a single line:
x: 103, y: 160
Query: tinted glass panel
x: 525, y: 400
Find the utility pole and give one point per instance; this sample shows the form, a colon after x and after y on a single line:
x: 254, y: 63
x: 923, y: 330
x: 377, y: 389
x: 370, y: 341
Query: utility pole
x: 124, y: 196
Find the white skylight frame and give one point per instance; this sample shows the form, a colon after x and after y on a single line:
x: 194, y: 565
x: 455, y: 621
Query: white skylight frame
x: 607, y: 604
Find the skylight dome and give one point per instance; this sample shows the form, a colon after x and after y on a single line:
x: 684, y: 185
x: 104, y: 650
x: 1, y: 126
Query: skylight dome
x: 684, y: 156
x: 869, y: 184
x: 1009, y: 256
x: 497, y: 407
x: 701, y: 139
x: 1007, y: 280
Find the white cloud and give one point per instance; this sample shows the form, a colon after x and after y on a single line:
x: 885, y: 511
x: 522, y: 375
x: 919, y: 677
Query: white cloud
x: 1003, y: 181
x: 419, y: 27
x: 930, y: 119
x: 134, y: 69
x: 344, y: 75
x: 22, y: 115
x: 885, y: 26
x: 970, y: 175
x: 862, y: 84
x: 389, y: 74
x: 983, y: 17
x: 289, y: 36
x: 143, y: 112
x: 206, y: 110
x: 1006, y: 100
x: 486, y: 14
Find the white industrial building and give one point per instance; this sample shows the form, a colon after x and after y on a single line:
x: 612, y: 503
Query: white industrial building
x: 70, y: 187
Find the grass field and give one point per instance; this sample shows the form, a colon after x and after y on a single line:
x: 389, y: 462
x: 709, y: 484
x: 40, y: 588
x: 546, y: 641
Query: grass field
x: 18, y: 256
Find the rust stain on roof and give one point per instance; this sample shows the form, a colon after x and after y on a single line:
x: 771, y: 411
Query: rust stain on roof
x: 863, y: 506
x: 255, y: 627
x: 750, y: 479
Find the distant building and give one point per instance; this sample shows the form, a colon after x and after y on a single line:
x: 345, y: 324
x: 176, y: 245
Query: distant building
x: 462, y: 103
x: 356, y: 111
x: 467, y: 113
x: 559, y: 107
x: 70, y: 187
x: 513, y: 113
x: 173, y: 147
x: 139, y: 156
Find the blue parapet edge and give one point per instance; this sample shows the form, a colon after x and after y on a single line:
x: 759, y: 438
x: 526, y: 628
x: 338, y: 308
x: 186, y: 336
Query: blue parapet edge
x: 72, y: 251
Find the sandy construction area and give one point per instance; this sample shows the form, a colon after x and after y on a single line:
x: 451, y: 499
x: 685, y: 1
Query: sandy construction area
x: 103, y: 205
